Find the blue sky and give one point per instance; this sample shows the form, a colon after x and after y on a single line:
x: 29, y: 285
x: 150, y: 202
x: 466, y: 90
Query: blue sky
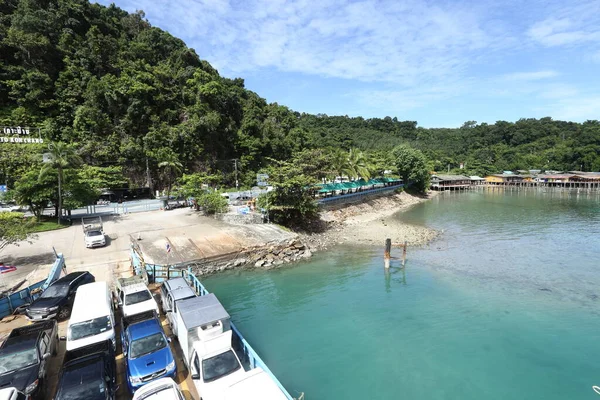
x: 440, y: 63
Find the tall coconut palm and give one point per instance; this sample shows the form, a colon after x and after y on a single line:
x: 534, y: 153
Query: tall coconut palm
x: 171, y: 168
x: 339, y: 162
x: 60, y: 157
x: 358, y: 165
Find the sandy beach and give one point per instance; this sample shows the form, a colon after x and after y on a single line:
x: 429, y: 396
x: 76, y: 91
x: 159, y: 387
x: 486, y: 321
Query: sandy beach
x: 369, y: 223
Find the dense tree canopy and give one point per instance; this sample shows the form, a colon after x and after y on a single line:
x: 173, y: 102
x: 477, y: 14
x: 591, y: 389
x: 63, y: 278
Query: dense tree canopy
x: 130, y: 96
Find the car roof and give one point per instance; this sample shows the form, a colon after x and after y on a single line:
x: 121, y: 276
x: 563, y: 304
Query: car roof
x: 182, y: 293
x: 70, y: 277
x: 134, y: 288
x: 75, y: 376
x: 175, y: 283
x: 144, y: 328
x: 150, y: 389
x: 84, y: 309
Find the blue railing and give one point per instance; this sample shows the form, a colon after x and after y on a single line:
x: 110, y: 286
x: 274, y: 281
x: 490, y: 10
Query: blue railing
x: 10, y: 303
x: 244, y: 347
x: 358, y: 194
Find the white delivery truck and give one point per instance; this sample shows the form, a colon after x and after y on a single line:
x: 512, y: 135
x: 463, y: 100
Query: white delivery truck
x: 204, y: 333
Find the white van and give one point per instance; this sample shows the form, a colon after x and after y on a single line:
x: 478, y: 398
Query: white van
x: 92, y: 319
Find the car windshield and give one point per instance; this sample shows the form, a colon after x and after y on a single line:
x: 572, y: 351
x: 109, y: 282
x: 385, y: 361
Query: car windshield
x: 148, y: 344
x: 83, y: 382
x: 17, y: 360
x: 219, y: 365
x: 137, y: 297
x: 94, y: 233
x: 89, y: 328
x: 56, y: 291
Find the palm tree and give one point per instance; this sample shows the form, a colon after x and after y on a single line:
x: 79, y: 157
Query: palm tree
x: 171, y: 167
x: 358, y: 165
x: 60, y: 157
x: 339, y: 162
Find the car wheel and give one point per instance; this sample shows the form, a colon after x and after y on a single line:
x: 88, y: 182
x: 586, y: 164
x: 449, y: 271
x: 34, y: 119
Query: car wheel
x: 64, y: 313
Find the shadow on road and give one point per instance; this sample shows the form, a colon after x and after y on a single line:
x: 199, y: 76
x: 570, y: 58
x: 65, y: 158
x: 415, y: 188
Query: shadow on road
x: 38, y: 259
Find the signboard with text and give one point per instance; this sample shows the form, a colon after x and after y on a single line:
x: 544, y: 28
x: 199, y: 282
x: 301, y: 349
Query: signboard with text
x: 19, y: 134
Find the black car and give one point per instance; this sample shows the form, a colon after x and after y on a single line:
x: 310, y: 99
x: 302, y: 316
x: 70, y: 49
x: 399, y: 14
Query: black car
x: 88, y: 373
x: 24, y: 357
x: 57, y: 299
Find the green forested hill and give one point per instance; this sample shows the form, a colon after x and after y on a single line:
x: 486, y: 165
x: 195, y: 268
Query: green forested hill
x: 126, y: 93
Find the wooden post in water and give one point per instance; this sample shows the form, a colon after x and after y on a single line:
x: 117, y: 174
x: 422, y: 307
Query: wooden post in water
x: 404, y: 254
x: 386, y: 254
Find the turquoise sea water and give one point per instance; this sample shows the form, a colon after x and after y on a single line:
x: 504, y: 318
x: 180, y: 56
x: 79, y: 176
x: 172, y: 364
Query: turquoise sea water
x: 504, y: 306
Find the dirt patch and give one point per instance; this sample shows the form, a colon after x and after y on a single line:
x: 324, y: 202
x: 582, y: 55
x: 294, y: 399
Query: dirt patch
x: 368, y: 223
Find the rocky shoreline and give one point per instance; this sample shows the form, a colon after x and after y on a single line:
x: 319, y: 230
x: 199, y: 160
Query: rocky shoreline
x: 272, y: 255
x: 367, y: 223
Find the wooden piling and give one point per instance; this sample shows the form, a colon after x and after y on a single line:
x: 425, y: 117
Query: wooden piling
x: 386, y: 254
x: 404, y: 254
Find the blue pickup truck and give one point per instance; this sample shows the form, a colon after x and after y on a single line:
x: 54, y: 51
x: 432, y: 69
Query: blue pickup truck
x: 146, y: 350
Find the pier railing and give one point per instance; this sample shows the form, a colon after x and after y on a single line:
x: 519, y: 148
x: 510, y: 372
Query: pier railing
x: 12, y: 301
x: 159, y: 273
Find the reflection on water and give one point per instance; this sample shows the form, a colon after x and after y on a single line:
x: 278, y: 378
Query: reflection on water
x: 503, y: 306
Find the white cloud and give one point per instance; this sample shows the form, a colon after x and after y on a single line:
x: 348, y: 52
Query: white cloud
x: 531, y: 76
x: 409, y: 53
x: 577, y: 109
x: 569, y: 23
x: 405, y: 43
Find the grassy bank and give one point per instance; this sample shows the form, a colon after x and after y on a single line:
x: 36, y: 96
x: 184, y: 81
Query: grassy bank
x: 46, y: 224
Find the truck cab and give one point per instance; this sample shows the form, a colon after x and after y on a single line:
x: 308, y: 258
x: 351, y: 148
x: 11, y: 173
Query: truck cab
x: 24, y: 357
x: 256, y: 384
x: 172, y: 293
x: 88, y: 373
x: 135, y: 298
x: 146, y: 350
x: 215, y: 366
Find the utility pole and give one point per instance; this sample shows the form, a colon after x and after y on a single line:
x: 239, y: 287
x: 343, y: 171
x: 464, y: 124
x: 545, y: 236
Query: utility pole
x: 235, y: 160
x: 148, y: 180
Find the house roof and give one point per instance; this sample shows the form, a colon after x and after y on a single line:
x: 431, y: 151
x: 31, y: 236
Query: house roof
x: 507, y: 175
x: 452, y: 177
x: 556, y: 176
x: 476, y: 178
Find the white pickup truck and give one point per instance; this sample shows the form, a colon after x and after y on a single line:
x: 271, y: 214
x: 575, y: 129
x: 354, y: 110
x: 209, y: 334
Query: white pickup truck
x: 93, y: 232
x: 134, y: 297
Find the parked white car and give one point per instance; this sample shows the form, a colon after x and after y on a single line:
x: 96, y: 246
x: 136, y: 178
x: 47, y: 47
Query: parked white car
x: 160, y: 389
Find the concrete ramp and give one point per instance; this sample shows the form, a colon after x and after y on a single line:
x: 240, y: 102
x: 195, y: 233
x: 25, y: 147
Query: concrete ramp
x: 206, y: 241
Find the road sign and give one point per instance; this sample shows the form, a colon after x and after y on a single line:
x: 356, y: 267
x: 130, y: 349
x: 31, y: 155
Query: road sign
x: 3, y: 189
x: 261, y: 179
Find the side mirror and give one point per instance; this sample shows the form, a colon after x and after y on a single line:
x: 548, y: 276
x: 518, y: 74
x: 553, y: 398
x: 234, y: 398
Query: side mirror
x: 46, y: 356
x: 195, y: 376
x: 63, y: 338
